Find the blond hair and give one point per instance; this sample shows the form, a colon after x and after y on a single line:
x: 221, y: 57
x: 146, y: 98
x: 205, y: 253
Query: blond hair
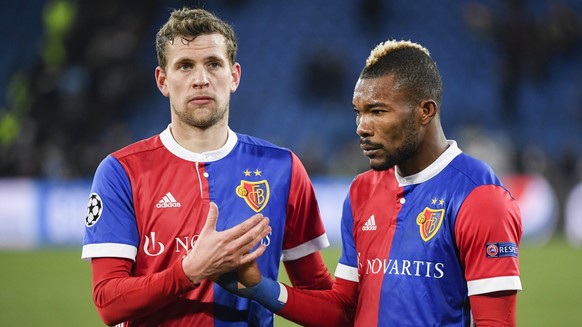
x: 188, y: 24
x: 389, y: 46
x: 414, y: 71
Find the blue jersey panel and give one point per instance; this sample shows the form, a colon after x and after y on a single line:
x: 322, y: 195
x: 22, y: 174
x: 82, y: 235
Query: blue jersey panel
x: 349, y: 255
x: 423, y: 265
x: 266, y: 171
x: 116, y: 223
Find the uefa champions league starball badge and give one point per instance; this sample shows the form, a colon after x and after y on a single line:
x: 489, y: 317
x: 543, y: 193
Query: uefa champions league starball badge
x: 94, y: 209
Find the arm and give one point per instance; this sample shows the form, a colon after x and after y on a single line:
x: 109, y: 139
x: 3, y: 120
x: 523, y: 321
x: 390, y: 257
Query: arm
x: 118, y: 296
x: 315, y: 277
x: 490, y: 218
x: 495, y: 309
x: 334, y: 307
x: 304, y: 234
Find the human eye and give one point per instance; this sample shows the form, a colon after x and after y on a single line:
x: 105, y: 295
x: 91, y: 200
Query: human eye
x: 214, y: 65
x: 184, y: 66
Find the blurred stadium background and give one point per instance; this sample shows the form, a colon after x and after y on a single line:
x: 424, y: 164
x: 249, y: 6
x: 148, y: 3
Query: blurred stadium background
x: 77, y: 82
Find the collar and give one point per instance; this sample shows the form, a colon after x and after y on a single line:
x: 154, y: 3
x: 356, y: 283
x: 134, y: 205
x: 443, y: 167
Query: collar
x: 170, y: 143
x: 436, y: 167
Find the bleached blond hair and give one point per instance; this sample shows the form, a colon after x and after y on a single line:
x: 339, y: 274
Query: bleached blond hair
x: 386, y: 47
x: 414, y: 71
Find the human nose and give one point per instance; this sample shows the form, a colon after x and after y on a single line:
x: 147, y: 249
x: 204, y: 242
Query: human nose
x: 363, y: 126
x: 200, y: 79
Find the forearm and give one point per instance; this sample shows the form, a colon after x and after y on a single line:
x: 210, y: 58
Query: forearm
x: 309, y: 272
x: 335, y: 307
x: 119, y: 297
x: 494, y: 309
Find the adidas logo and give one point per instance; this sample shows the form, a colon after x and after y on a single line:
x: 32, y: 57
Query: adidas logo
x: 370, y: 224
x: 168, y: 201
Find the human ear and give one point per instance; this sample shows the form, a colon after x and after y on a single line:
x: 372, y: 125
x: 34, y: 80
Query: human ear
x: 236, y: 74
x: 429, y: 110
x: 161, y: 81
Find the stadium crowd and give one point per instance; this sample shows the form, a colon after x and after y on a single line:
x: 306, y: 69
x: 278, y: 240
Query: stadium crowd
x: 74, y: 84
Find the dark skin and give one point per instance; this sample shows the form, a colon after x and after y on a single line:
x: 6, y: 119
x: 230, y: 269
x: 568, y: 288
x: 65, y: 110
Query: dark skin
x: 395, y: 131
x: 392, y: 132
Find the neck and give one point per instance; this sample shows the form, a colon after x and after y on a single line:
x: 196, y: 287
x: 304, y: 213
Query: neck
x: 433, y: 146
x: 199, y: 140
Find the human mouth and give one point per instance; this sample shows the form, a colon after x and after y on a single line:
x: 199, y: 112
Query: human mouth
x: 200, y: 100
x: 369, y: 149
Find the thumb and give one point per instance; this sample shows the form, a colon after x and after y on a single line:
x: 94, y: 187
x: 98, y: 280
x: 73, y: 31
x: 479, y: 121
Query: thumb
x: 212, y: 217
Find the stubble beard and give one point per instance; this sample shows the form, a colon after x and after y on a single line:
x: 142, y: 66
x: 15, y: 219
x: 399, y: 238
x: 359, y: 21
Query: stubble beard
x: 202, y: 121
x: 405, y: 151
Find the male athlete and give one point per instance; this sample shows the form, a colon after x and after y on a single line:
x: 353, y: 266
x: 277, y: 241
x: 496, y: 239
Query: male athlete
x: 430, y: 235
x: 152, y: 232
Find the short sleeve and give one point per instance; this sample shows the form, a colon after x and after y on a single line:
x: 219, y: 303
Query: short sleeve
x: 488, y: 232
x: 304, y: 229
x: 110, y: 223
x: 347, y: 267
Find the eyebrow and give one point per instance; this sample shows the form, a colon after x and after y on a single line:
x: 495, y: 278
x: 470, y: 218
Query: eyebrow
x: 205, y: 59
x: 370, y: 106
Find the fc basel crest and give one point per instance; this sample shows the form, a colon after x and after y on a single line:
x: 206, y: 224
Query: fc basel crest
x: 430, y: 221
x: 256, y: 194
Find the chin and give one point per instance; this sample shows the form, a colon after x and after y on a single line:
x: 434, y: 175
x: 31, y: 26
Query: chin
x: 380, y: 165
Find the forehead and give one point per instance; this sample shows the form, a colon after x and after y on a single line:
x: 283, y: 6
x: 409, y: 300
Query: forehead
x: 206, y: 45
x: 378, y: 89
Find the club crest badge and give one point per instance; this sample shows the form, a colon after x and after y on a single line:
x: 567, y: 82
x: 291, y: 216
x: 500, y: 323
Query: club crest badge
x: 255, y: 194
x: 430, y: 221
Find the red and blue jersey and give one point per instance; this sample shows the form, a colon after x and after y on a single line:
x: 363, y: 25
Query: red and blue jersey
x: 150, y: 200
x: 420, y: 245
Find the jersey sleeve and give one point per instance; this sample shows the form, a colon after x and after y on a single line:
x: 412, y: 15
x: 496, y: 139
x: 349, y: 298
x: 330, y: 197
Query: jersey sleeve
x: 110, y: 225
x: 333, y: 308
x: 347, y: 267
x: 304, y: 229
x: 488, y: 231
x: 118, y: 296
x: 309, y: 272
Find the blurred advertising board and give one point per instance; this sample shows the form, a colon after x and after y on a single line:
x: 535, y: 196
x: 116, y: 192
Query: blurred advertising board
x: 38, y: 213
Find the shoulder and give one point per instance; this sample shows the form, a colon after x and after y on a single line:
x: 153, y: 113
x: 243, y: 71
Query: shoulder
x: 259, y: 142
x: 264, y: 148
x: 474, y: 170
x: 142, y: 146
x: 374, y: 177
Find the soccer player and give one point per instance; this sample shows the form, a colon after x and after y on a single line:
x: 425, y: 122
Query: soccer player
x: 430, y: 236
x: 152, y: 232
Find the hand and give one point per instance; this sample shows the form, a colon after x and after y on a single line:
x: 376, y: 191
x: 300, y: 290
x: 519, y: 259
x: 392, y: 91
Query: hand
x: 249, y: 274
x: 215, y: 253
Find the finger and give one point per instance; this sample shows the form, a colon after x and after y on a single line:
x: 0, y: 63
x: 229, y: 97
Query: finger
x: 246, y: 226
x: 211, y: 218
x: 248, y: 241
x: 251, y: 256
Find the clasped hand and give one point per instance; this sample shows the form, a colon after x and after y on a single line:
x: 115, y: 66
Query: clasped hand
x: 216, y: 253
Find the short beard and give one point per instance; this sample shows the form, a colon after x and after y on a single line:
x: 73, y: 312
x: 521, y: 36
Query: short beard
x: 202, y: 123
x: 403, y: 152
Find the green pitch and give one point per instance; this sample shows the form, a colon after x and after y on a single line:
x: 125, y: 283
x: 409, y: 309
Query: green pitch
x: 53, y: 287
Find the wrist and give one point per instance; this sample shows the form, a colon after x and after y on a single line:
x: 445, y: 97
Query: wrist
x: 194, y: 279
x: 271, y: 294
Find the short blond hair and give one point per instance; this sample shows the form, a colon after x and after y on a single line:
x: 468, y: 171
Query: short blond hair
x: 188, y: 24
x: 414, y: 71
x: 386, y: 47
